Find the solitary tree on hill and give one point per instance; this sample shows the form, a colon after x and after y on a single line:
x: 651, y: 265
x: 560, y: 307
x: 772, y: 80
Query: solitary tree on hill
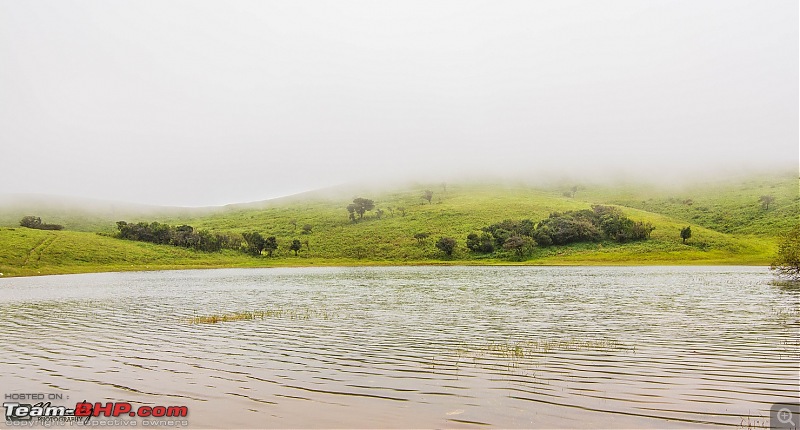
x: 686, y: 233
x: 428, y: 195
x: 446, y: 245
x: 766, y: 201
x: 296, y: 246
x: 360, y: 206
x: 571, y: 192
x: 270, y: 245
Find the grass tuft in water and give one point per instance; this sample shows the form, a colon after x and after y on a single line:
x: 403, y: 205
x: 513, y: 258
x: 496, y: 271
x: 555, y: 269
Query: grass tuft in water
x: 518, y: 350
x: 293, y: 314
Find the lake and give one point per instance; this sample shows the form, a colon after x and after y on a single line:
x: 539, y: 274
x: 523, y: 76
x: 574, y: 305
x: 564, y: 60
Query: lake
x: 525, y: 347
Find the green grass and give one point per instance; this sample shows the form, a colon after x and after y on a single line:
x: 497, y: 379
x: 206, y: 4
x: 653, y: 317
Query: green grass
x: 38, y: 252
x: 721, y: 206
x: 728, y: 224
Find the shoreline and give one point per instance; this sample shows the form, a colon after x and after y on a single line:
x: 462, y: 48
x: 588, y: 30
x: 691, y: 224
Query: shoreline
x: 76, y: 270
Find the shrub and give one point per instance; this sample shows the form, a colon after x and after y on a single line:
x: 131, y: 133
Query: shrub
x: 446, y: 245
x: 787, y: 262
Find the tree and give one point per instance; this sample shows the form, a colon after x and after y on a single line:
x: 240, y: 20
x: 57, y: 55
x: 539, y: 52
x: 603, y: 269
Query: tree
x: 446, y: 245
x: 183, y: 236
x: 428, y: 195
x: 270, y: 245
x: 296, y: 246
x: 402, y: 210
x: 543, y: 236
x: 483, y: 243
x: 207, y: 241
x: 307, y: 229
x: 766, y: 201
x: 293, y: 222
x: 501, y: 235
x: 360, y: 206
x: 255, y: 243
x: 521, y: 245
x: 571, y: 192
x: 639, y: 231
x: 378, y: 213
x: 351, y: 210
x: 686, y: 233
x: 160, y: 232
x: 421, y: 237
x: 31, y: 222
x: 787, y: 262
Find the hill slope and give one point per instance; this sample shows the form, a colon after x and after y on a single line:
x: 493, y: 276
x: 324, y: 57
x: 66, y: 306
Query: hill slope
x: 37, y: 252
x: 729, y: 227
x: 727, y: 207
x: 78, y: 214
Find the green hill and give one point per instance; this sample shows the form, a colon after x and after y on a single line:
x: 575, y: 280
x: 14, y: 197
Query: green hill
x: 38, y: 252
x: 728, y: 223
x: 721, y: 206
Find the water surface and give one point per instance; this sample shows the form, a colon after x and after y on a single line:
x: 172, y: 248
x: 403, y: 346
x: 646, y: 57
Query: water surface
x: 527, y: 347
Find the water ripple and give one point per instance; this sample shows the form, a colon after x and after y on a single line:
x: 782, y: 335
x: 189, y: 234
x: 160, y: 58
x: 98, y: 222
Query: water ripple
x: 414, y: 347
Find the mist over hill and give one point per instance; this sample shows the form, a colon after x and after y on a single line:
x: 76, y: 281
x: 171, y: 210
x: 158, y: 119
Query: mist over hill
x: 83, y: 214
x: 731, y: 223
x: 727, y: 194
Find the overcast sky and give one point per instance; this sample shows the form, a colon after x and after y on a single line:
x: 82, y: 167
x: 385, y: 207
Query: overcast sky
x: 201, y: 103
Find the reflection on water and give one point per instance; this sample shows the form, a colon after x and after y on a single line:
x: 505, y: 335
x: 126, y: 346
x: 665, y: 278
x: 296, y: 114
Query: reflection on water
x: 413, y: 347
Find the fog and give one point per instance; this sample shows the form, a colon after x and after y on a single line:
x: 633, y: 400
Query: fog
x: 205, y: 103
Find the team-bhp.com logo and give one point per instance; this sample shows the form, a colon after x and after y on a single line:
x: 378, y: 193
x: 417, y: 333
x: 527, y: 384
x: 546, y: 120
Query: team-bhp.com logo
x: 84, y: 412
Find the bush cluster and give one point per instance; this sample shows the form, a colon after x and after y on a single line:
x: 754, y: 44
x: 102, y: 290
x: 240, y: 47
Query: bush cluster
x: 36, y: 222
x: 561, y: 228
x: 184, y: 236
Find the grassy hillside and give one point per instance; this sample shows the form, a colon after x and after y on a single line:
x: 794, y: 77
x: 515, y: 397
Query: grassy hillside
x: 721, y: 206
x: 38, y: 252
x: 729, y: 227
